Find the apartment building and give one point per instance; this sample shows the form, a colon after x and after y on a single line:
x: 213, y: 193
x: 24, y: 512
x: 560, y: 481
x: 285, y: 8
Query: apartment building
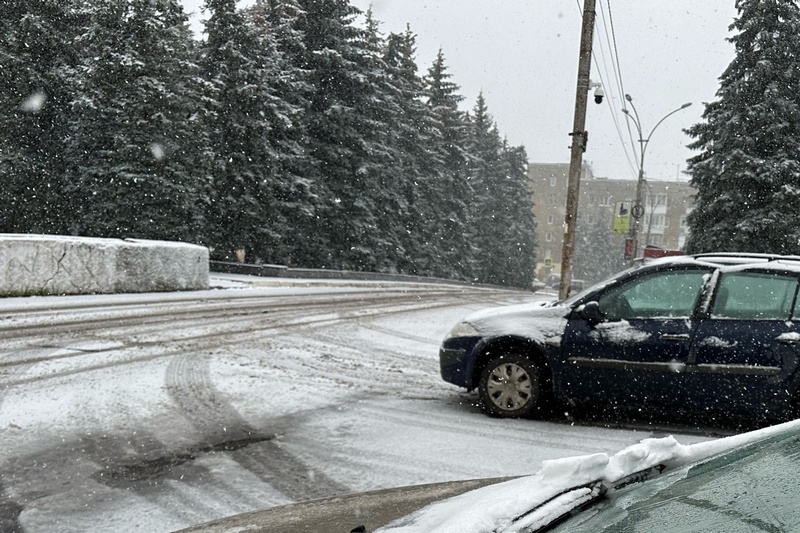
x: 603, y: 223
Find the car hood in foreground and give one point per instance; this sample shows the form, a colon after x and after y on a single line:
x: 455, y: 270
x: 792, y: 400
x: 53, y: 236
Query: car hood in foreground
x: 363, y: 511
x: 537, y: 500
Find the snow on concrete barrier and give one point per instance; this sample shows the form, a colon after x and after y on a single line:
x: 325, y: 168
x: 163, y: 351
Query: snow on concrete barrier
x: 57, y: 264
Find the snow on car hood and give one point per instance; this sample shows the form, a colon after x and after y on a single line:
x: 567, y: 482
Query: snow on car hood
x: 492, y: 508
x: 543, y: 322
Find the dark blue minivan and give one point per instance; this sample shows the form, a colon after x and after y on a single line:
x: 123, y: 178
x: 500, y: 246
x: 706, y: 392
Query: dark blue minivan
x: 713, y: 332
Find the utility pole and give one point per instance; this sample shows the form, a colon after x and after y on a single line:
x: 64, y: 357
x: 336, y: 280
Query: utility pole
x: 579, y: 138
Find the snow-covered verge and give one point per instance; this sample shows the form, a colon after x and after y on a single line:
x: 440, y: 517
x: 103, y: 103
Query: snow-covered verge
x: 57, y: 264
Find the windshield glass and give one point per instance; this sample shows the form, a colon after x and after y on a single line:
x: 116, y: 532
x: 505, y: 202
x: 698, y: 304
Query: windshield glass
x: 752, y: 489
x: 570, y: 300
x: 239, y: 239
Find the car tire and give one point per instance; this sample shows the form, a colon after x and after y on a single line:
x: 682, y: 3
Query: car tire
x: 510, y: 386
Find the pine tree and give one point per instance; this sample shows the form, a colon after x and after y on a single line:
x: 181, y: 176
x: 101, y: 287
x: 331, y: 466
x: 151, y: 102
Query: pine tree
x: 345, y: 139
x: 451, y: 191
x: 34, y: 113
x: 136, y: 151
x: 597, y: 254
x: 412, y: 132
x: 748, y: 173
x: 501, y: 224
x: 489, y: 212
x: 390, y: 160
x: 518, y: 266
x: 256, y: 128
x: 284, y: 94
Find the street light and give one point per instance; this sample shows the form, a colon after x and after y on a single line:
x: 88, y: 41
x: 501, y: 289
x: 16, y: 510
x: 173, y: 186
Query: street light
x: 638, y: 210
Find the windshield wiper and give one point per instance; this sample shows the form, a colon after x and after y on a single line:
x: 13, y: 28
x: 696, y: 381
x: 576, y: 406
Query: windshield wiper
x: 563, y: 505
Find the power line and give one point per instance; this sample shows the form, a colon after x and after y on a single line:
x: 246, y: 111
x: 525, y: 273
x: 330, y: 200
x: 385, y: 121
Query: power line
x: 611, y: 88
x: 616, y: 75
x: 619, y: 72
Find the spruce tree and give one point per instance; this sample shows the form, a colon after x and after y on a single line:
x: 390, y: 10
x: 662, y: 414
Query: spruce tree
x: 517, y: 267
x: 292, y: 195
x: 501, y: 224
x: 488, y: 213
x: 412, y: 132
x: 345, y: 139
x: 35, y: 58
x: 748, y: 173
x: 256, y: 126
x: 136, y: 149
x: 451, y: 192
x: 597, y: 254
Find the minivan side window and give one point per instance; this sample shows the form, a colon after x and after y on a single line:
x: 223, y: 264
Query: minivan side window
x: 754, y: 296
x: 659, y: 295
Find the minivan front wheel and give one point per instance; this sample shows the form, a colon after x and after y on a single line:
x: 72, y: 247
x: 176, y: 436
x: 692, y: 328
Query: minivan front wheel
x: 510, y: 386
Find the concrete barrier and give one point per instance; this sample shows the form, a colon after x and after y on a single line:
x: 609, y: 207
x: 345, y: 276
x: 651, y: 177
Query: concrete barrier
x: 57, y: 264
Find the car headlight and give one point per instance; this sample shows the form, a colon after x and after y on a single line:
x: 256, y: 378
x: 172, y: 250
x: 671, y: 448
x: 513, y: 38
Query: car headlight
x: 463, y: 329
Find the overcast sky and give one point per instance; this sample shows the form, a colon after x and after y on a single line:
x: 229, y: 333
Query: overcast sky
x: 523, y: 55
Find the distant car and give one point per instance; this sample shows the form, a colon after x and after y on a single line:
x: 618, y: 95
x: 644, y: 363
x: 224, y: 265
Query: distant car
x: 744, y: 482
x: 553, y: 281
x: 711, y: 332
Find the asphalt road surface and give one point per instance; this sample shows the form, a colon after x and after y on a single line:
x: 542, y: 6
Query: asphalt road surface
x: 158, y: 412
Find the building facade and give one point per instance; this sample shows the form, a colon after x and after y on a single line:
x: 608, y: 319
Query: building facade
x: 603, y: 224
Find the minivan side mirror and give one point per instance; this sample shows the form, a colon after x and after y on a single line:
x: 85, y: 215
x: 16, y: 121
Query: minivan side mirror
x: 590, y: 312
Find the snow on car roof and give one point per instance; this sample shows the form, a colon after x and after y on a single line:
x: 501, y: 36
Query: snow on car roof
x: 495, y: 506
x: 731, y: 261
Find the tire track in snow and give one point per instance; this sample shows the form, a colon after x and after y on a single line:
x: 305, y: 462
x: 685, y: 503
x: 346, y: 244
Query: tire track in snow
x: 10, y: 509
x: 155, y: 473
x: 9, y: 512
x: 189, y: 383
x: 316, y: 314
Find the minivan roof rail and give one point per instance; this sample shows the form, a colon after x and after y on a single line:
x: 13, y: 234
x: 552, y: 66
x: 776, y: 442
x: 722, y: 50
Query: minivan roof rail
x: 744, y: 255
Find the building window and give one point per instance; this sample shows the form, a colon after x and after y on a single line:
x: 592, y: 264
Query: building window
x: 659, y: 221
x: 550, y: 219
x: 607, y: 200
x: 592, y: 200
x: 551, y: 199
x: 553, y: 181
x: 548, y: 236
x: 656, y: 200
x: 654, y: 240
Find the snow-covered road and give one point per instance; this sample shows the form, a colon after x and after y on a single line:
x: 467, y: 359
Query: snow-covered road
x: 155, y: 412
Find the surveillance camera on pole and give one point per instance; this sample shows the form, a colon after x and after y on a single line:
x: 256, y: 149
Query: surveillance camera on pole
x: 599, y: 93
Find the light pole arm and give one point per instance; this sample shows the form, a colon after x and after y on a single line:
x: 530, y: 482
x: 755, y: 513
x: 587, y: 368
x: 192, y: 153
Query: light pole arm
x: 665, y: 117
x: 638, y: 210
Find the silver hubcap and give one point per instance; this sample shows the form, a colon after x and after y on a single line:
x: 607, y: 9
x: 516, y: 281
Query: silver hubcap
x: 509, y: 386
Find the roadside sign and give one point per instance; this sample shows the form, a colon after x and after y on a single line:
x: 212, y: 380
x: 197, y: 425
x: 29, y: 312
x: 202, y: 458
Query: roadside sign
x: 622, y: 218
